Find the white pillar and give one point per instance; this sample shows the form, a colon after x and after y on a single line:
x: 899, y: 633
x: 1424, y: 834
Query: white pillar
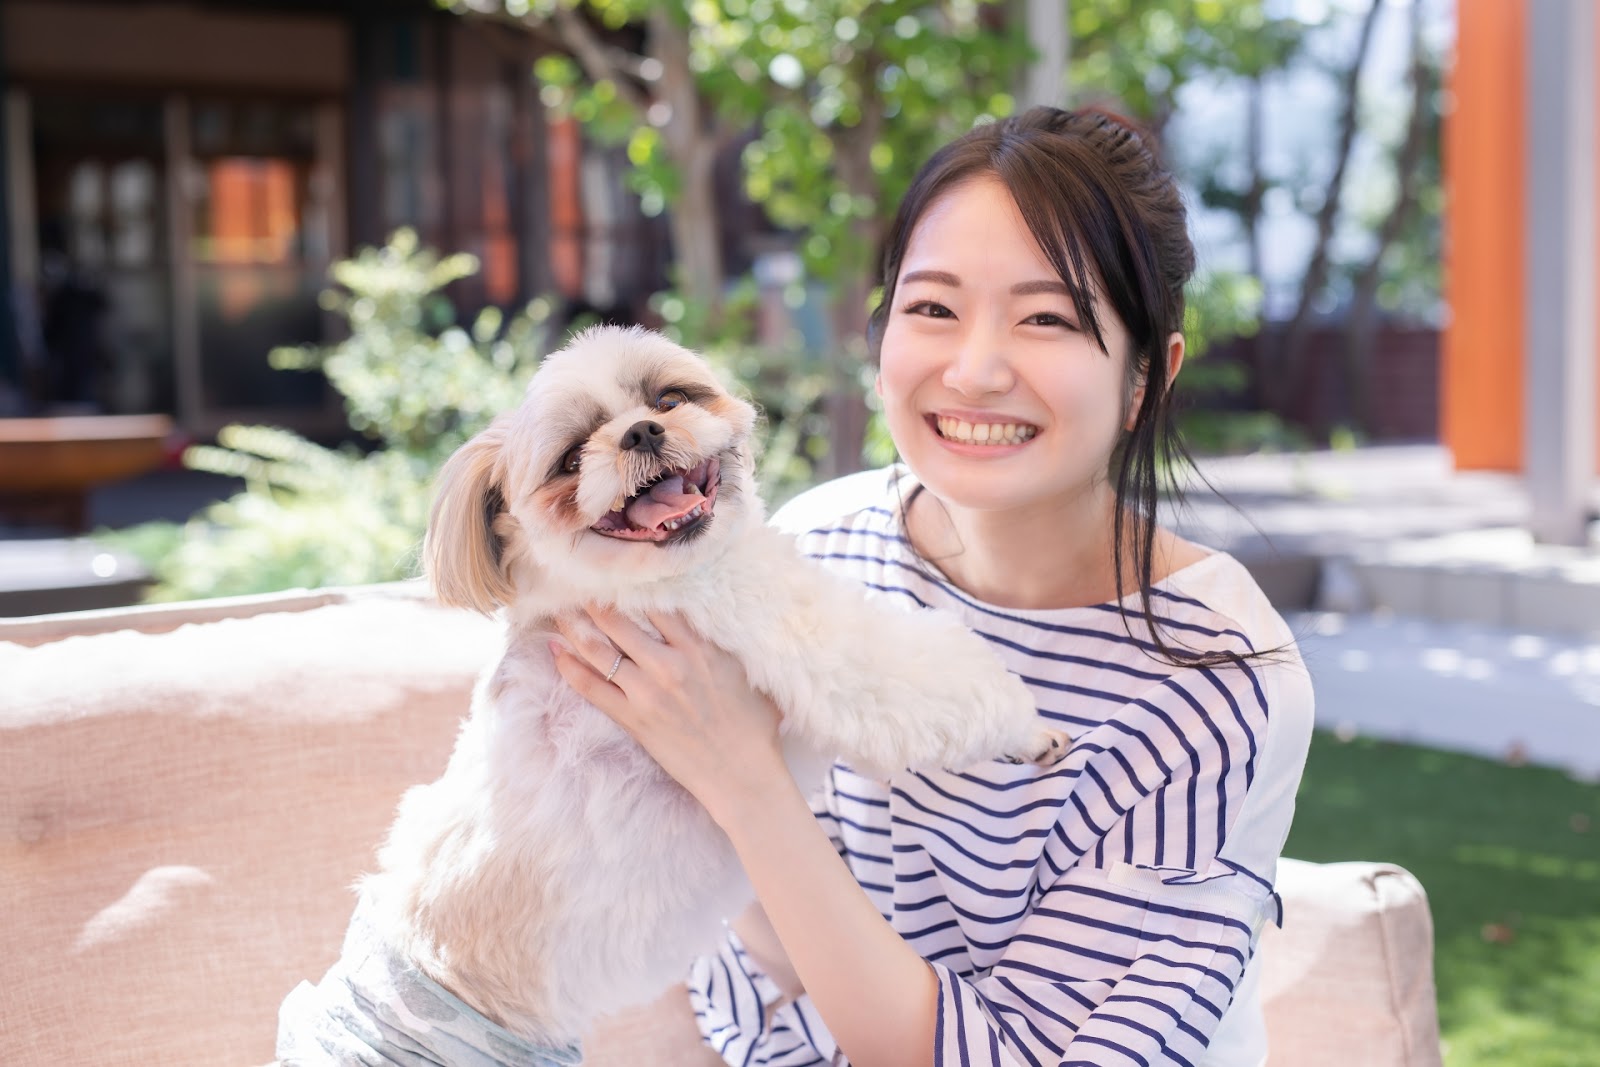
x: 1559, y: 413
x: 1046, y: 81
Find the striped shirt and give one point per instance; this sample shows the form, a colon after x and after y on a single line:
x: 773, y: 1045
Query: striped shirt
x: 1101, y: 912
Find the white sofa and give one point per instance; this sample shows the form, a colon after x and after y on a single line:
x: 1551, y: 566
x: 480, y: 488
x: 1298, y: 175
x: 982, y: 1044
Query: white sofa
x: 188, y: 792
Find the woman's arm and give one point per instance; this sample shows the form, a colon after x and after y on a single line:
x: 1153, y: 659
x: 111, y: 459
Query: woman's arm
x: 878, y: 996
x: 761, y: 941
x: 692, y: 709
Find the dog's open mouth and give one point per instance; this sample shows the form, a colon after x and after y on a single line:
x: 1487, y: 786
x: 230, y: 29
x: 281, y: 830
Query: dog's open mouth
x: 674, y: 507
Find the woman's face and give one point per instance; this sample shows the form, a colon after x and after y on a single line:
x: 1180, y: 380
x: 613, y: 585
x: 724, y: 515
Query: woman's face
x: 995, y: 398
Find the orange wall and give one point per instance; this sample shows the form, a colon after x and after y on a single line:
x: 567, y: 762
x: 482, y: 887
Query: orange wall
x: 1484, y: 156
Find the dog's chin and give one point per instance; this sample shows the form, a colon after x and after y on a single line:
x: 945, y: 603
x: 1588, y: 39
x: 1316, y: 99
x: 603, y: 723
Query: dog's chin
x: 677, y: 508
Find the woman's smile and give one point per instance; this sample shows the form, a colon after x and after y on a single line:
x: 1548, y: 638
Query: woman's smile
x: 995, y: 435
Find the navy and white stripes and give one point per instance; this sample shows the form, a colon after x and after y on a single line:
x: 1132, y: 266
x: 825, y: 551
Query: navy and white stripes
x: 1099, y: 912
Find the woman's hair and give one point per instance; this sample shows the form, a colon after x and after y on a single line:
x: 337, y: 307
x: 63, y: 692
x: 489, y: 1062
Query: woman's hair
x: 1108, y: 217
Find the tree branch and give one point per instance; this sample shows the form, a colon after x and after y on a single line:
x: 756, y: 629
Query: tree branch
x: 598, y: 59
x: 1296, y: 335
x: 1361, y: 324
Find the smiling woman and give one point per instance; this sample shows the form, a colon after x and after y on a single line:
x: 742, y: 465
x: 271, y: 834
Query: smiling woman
x: 1105, y: 910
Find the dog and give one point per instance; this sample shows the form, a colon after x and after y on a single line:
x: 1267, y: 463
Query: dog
x: 555, y: 874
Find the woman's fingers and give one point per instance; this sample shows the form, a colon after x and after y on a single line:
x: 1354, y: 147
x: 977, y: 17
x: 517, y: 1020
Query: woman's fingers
x: 590, y: 645
x: 590, y: 684
x: 674, y: 631
x: 630, y: 638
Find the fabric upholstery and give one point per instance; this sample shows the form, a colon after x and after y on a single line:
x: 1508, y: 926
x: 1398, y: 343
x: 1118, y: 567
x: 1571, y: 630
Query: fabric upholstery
x: 188, y: 794
x: 1349, y: 978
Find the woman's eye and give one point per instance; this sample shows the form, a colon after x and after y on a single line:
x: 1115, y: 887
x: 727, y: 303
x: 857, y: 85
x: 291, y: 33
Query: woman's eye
x: 572, y: 460
x: 1049, y: 318
x: 930, y: 309
x: 671, y: 398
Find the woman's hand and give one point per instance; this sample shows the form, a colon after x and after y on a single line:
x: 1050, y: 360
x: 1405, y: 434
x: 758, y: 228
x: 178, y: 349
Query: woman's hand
x: 686, y: 701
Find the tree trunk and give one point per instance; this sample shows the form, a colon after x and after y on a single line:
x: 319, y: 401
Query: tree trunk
x: 691, y: 144
x: 845, y: 405
x: 1289, y: 376
x: 1250, y: 218
x: 1362, y: 323
x: 1255, y: 195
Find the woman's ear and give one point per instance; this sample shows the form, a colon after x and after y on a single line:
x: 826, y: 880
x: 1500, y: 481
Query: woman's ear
x: 462, y: 553
x: 1175, y: 353
x: 1176, y: 349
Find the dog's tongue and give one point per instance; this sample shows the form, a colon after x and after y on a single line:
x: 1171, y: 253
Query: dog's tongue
x: 667, y: 499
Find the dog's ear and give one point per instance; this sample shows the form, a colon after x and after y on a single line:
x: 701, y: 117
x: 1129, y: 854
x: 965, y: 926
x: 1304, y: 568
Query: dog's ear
x: 463, y: 555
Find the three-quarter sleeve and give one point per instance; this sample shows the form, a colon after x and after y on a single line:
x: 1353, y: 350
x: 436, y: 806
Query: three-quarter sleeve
x: 1114, y: 967
x: 741, y: 1012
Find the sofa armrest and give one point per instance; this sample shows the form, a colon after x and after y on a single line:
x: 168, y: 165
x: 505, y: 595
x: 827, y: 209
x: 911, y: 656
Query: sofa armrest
x: 1349, y: 978
x: 187, y: 796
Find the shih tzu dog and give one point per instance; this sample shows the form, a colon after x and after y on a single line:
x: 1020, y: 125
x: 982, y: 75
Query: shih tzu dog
x: 555, y: 873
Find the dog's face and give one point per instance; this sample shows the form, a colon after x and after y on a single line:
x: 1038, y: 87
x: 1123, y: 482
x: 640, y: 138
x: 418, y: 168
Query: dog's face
x: 626, y: 461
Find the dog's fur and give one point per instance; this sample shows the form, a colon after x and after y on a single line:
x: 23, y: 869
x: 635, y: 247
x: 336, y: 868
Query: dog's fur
x: 554, y: 873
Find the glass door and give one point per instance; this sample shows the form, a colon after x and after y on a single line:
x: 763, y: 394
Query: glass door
x: 100, y: 322
x: 258, y: 239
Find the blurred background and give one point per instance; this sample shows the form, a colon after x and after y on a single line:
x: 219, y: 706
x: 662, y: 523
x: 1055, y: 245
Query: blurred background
x: 268, y: 262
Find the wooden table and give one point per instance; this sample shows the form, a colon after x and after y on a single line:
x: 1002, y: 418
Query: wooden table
x: 48, y: 465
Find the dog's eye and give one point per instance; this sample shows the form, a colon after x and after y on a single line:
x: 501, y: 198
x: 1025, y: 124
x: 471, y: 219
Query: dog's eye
x: 671, y: 398
x: 572, y: 460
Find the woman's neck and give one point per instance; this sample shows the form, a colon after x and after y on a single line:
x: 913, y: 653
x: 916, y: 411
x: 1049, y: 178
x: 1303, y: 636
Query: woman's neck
x: 1057, y: 554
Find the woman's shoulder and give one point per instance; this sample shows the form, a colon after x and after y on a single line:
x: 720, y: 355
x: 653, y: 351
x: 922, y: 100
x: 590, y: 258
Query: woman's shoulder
x: 1210, y: 584
x: 1216, y: 604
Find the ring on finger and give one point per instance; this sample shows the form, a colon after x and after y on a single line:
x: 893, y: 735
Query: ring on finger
x: 615, y: 667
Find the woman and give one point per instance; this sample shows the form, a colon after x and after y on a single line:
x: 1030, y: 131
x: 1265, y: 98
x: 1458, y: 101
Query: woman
x: 1106, y: 910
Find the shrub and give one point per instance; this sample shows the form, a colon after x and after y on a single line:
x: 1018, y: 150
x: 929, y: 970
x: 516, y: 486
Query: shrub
x: 415, y: 385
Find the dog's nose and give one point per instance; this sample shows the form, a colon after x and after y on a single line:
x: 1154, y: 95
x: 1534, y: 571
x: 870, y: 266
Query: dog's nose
x: 644, y: 436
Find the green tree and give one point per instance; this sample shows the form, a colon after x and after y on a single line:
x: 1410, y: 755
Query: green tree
x: 837, y: 101
x: 1141, y: 53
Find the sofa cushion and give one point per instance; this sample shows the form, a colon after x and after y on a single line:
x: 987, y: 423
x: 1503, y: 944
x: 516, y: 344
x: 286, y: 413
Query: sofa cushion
x: 1349, y: 978
x: 182, y: 814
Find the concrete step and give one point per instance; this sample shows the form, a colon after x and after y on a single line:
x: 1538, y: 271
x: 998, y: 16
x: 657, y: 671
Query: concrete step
x: 1498, y: 692
x: 66, y: 574
x: 1493, y: 577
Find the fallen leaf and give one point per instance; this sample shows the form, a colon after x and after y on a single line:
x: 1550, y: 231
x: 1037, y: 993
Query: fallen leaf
x: 1498, y: 933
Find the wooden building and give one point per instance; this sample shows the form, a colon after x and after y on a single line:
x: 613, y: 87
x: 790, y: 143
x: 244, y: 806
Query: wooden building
x: 178, y: 176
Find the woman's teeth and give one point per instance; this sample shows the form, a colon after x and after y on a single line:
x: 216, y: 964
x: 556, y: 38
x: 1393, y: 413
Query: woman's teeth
x: 985, y: 433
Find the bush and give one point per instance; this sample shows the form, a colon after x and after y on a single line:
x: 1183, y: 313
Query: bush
x: 415, y: 384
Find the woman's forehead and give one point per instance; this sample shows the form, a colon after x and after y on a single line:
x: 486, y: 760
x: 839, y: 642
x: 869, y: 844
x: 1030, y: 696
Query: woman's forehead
x: 975, y: 234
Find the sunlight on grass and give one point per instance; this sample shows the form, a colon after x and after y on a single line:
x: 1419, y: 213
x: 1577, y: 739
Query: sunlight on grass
x: 1510, y: 857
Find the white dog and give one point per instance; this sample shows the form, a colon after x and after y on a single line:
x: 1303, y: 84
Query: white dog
x: 555, y: 873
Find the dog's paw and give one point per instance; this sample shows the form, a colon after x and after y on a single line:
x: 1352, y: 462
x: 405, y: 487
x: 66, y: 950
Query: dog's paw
x: 1048, y: 748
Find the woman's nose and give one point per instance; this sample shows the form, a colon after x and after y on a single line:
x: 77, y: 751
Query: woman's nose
x: 979, y: 368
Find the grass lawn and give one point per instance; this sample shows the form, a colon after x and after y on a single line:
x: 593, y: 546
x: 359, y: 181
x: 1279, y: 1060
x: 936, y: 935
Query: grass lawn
x: 1510, y: 857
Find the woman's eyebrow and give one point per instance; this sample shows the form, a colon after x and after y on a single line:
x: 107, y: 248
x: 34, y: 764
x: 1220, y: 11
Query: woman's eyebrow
x: 939, y: 277
x: 1052, y: 286
x: 1042, y: 285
